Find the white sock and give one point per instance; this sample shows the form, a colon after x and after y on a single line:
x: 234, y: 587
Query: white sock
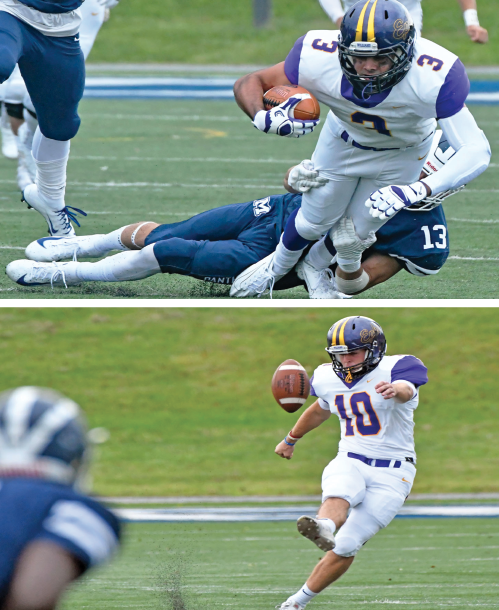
x: 319, y: 256
x: 349, y: 265
x: 329, y: 522
x: 284, y: 259
x: 51, y: 158
x: 130, y: 265
x: 95, y: 246
x: 304, y: 595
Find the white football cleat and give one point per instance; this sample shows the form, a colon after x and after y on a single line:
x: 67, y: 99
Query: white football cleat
x: 48, y: 249
x: 255, y: 280
x: 9, y: 142
x: 320, y: 282
x: 290, y: 604
x: 58, y: 221
x: 29, y: 273
x: 317, y: 531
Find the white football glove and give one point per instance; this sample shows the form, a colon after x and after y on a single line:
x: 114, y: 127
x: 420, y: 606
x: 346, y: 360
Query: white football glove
x: 348, y: 245
x: 389, y: 200
x: 279, y: 120
x: 304, y: 177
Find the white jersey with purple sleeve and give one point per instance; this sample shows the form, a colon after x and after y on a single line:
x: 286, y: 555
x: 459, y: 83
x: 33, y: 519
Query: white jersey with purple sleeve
x: 370, y: 425
x: 436, y: 87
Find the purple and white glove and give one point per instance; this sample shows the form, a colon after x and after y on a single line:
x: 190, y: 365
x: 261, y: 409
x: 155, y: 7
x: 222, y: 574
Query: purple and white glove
x: 279, y: 120
x: 389, y: 200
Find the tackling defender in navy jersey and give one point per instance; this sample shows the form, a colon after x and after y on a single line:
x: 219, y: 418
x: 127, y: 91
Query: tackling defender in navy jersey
x: 218, y: 244
x: 50, y: 533
x: 41, y: 36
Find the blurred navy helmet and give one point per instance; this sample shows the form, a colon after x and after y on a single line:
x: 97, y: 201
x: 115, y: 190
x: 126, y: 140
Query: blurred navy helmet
x: 376, y: 28
x: 42, y: 434
x: 351, y: 334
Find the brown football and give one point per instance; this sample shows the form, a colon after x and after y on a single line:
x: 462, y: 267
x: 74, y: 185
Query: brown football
x: 290, y: 385
x: 306, y: 110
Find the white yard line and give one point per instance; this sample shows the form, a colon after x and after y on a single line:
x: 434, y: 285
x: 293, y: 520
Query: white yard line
x: 474, y: 221
x: 471, y: 258
x: 182, y: 159
x: 169, y: 117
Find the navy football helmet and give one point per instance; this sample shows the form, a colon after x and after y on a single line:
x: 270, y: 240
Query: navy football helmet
x: 376, y: 28
x: 42, y: 434
x: 351, y: 334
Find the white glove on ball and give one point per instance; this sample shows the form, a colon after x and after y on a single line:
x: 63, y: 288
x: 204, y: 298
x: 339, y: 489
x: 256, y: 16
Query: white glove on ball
x: 304, y: 177
x: 279, y: 120
x: 389, y: 200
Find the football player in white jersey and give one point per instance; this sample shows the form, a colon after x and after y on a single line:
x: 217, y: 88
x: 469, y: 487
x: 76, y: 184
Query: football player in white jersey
x: 374, y: 396
x: 386, y: 88
x: 336, y: 10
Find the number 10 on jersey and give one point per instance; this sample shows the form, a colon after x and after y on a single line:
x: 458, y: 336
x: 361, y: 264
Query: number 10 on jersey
x: 361, y: 408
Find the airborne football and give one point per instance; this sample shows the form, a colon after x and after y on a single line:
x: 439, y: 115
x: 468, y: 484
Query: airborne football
x: 290, y: 386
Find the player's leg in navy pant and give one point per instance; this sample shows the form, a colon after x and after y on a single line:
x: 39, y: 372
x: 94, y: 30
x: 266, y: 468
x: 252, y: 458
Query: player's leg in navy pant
x: 11, y: 44
x: 54, y: 72
x: 216, y: 261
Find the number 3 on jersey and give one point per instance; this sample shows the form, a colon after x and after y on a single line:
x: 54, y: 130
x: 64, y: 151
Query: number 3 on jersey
x: 378, y: 123
x: 360, y: 407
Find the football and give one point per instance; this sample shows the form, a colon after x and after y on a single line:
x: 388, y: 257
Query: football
x: 305, y: 110
x: 290, y: 385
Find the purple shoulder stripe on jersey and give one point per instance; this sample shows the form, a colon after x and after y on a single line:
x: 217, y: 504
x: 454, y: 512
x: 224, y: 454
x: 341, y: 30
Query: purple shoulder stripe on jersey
x: 312, y: 389
x: 410, y: 368
x: 371, y: 102
x: 292, y: 62
x: 453, y: 92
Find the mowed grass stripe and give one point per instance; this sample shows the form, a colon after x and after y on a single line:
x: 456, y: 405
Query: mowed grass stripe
x: 213, y: 567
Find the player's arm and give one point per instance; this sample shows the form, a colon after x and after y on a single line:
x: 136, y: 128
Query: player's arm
x: 473, y: 28
x: 249, y: 89
x: 310, y: 419
x: 42, y: 573
x: 334, y: 10
x: 400, y: 391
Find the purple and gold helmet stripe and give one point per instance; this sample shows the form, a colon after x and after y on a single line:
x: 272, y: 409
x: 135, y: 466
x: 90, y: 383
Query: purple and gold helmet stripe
x: 366, y: 34
x: 338, y: 334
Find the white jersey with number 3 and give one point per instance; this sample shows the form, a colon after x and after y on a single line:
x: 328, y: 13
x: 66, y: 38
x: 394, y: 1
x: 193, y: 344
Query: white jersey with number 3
x: 370, y: 425
x: 436, y: 86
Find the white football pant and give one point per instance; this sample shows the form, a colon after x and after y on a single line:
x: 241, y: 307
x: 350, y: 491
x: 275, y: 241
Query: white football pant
x: 353, y: 175
x: 374, y: 494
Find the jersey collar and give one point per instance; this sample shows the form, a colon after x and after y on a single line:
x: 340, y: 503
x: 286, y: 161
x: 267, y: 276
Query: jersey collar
x: 371, y: 102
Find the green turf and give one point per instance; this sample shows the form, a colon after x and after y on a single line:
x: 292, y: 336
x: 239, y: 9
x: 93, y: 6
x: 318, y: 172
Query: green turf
x: 167, y: 160
x: 185, y: 392
x: 415, y: 563
x: 219, y: 32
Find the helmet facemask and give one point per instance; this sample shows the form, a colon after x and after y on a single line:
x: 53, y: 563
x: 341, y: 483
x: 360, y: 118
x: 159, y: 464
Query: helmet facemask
x: 364, y: 85
x: 355, y: 371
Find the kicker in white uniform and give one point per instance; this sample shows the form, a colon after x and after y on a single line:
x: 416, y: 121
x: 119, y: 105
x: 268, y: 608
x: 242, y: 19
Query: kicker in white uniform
x: 374, y: 396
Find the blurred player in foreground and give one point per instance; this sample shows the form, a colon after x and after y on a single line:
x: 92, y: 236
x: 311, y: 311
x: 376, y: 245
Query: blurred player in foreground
x: 217, y: 245
x: 336, y: 10
x: 374, y: 396
x: 50, y: 534
x: 386, y: 88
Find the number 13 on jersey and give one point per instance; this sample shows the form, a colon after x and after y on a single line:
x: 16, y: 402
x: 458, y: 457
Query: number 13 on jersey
x: 361, y: 411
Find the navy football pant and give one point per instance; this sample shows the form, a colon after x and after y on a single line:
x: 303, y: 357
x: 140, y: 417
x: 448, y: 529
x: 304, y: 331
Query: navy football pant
x: 216, y: 245
x: 53, y: 70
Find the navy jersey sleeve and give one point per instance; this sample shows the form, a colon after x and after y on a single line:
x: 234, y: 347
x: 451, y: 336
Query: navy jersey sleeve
x: 292, y: 62
x: 410, y: 368
x: 84, y: 528
x: 453, y: 92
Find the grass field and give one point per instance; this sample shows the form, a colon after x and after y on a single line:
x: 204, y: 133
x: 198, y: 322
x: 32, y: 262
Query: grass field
x: 218, y: 32
x: 185, y: 392
x: 415, y: 563
x: 166, y: 160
